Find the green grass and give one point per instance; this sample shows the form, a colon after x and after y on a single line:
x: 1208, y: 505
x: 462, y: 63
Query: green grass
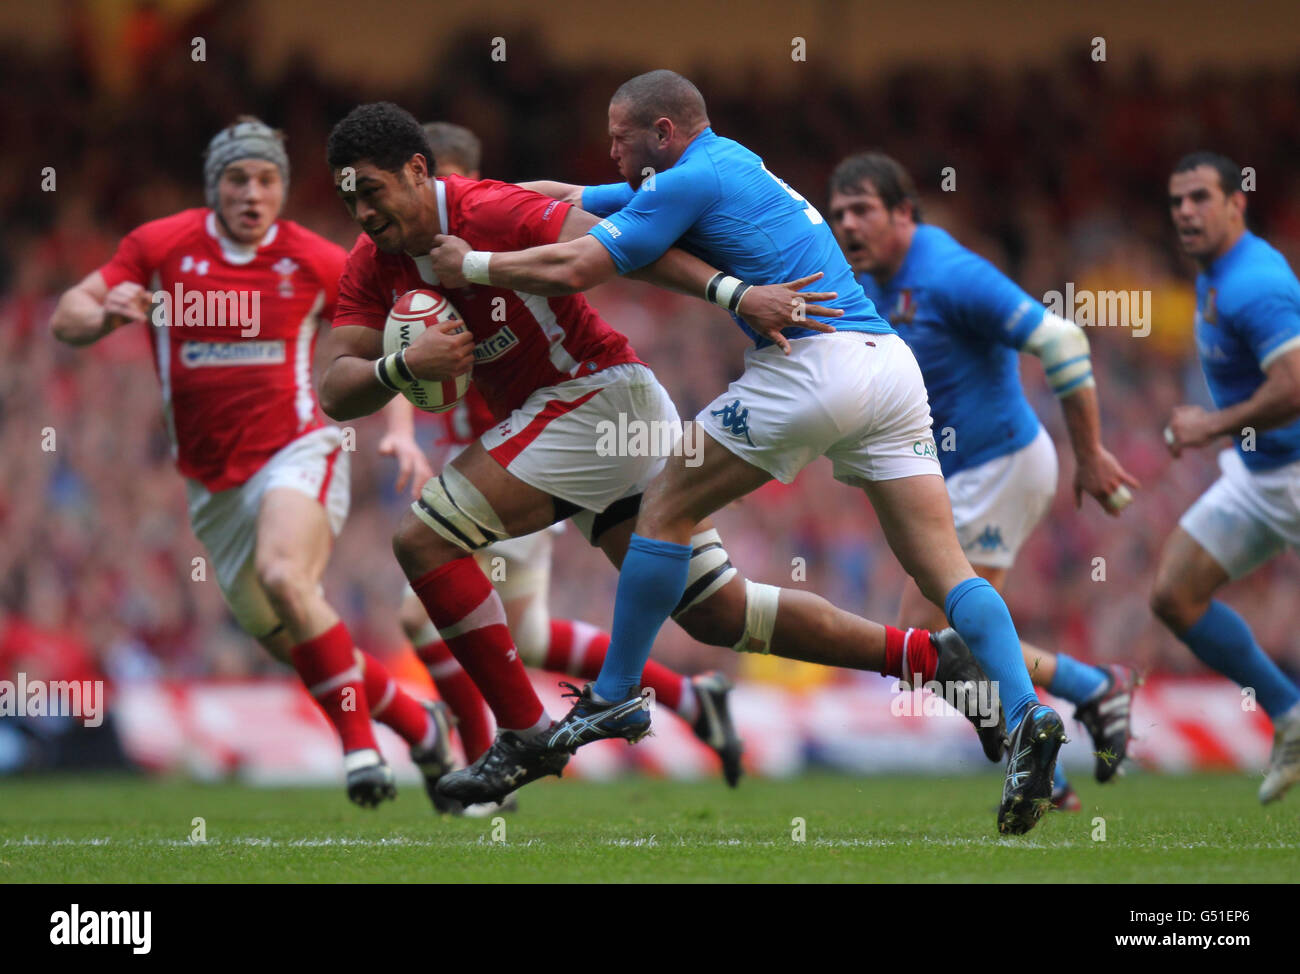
x: 1190, y: 829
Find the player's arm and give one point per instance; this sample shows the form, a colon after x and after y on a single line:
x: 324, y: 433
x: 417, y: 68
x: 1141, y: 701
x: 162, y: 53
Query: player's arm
x: 90, y: 309
x: 360, y: 379
x: 1275, y: 403
x: 413, y: 466
x: 638, y: 234
x: 578, y: 260
x: 1063, y: 349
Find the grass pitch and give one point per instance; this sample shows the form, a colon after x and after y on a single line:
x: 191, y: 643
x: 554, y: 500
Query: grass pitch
x: 1191, y: 829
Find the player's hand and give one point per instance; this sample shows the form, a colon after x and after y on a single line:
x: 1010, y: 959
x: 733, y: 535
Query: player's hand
x: 1101, y: 475
x: 126, y: 304
x: 1189, y: 426
x: 438, y: 355
x: 413, y: 467
x: 448, y: 254
x: 769, y: 308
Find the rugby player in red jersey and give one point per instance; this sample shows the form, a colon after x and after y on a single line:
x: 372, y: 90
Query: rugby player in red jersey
x: 235, y: 296
x: 556, y: 375
x: 520, y: 569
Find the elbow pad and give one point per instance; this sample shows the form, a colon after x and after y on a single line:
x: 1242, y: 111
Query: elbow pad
x: 1063, y: 348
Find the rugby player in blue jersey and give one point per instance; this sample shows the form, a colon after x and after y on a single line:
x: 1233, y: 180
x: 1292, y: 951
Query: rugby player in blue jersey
x: 967, y: 324
x: 1248, y: 339
x: 854, y: 395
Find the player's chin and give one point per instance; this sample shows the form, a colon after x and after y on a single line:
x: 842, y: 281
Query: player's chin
x: 387, y: 240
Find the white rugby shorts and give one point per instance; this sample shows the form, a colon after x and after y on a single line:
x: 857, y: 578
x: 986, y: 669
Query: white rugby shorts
x: 314, y: 464
x: 1246, y: 517
x: 853, y: 397
x: 997, y: 504
x: 572, y: 440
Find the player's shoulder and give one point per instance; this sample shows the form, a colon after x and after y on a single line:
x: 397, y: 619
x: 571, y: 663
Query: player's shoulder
x: 942, y: 259
x: 175, y: 228
x: 467, y: 197
x: 1257, y: 274
x: 482, y: 210
x: 714, y: 155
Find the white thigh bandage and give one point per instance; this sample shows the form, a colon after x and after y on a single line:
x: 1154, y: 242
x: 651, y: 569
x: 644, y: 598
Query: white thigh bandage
x: 710, y: 569
x: 1063, y: 348
x: 760, y: 618
x: 457, y: 510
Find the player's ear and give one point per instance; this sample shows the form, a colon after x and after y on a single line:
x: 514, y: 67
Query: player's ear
x: 418, y: 168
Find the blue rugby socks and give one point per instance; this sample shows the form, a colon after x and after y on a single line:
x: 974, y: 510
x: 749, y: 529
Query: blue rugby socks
x: 650, y: 585
x: 978, y: 613
x: 1076, y: 682
x: 1222, y: 641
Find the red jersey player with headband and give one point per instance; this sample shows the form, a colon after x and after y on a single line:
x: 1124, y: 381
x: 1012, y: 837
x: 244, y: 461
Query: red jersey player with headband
x: 233, y: 296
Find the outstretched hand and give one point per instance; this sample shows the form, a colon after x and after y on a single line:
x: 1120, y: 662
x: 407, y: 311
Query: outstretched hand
x: 771, y: 308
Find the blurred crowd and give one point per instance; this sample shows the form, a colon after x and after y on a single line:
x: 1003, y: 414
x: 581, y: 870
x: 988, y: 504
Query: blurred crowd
x: 1060, y: 177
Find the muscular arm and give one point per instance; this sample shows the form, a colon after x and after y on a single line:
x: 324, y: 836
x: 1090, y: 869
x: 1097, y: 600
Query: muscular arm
x: 83, y: 314
x: 349, y: 387
x: 1275, y: 403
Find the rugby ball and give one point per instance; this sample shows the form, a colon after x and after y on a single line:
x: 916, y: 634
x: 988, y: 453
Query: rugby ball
x: 410, y: 316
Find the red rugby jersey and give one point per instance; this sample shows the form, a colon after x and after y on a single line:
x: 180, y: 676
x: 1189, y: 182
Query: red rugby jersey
x: 233, y: 336
x: 465, y: 423
x: 523, y: 342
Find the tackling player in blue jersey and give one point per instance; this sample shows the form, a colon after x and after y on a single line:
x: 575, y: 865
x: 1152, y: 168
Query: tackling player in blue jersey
x: 1248, y: 338
x: 967, y: 324
x: 854, y: 395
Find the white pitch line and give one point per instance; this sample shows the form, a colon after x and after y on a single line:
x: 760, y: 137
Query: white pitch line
x: 652, y: 841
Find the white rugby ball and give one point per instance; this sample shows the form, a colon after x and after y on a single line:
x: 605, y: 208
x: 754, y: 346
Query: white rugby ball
x: 410, y: 316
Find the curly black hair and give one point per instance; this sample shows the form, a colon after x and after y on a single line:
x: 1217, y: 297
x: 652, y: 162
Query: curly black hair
x: 380, y: 132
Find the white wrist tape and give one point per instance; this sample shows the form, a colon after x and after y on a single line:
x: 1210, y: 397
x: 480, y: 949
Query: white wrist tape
x: 725, y: 291
x: 392, y: 372
x: 474, y: 267
x: 1063, y: 348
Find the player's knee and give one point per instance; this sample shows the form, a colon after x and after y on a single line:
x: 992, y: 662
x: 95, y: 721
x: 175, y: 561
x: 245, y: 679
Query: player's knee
x: 1173, y: 607
x: 712, y: 608
x: 278, y: 645
x: 285, y: 582
x: 419, y: 550
x: 718, y: 620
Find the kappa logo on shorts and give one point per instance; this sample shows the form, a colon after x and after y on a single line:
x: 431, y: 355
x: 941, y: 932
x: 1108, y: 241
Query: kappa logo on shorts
x: 734, y: 420
x: 925, y: 448
x: 990, y: 539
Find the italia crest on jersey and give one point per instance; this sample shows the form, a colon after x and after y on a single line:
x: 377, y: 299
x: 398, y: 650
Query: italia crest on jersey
x: 1211, y: 313
x: 904, y: 307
